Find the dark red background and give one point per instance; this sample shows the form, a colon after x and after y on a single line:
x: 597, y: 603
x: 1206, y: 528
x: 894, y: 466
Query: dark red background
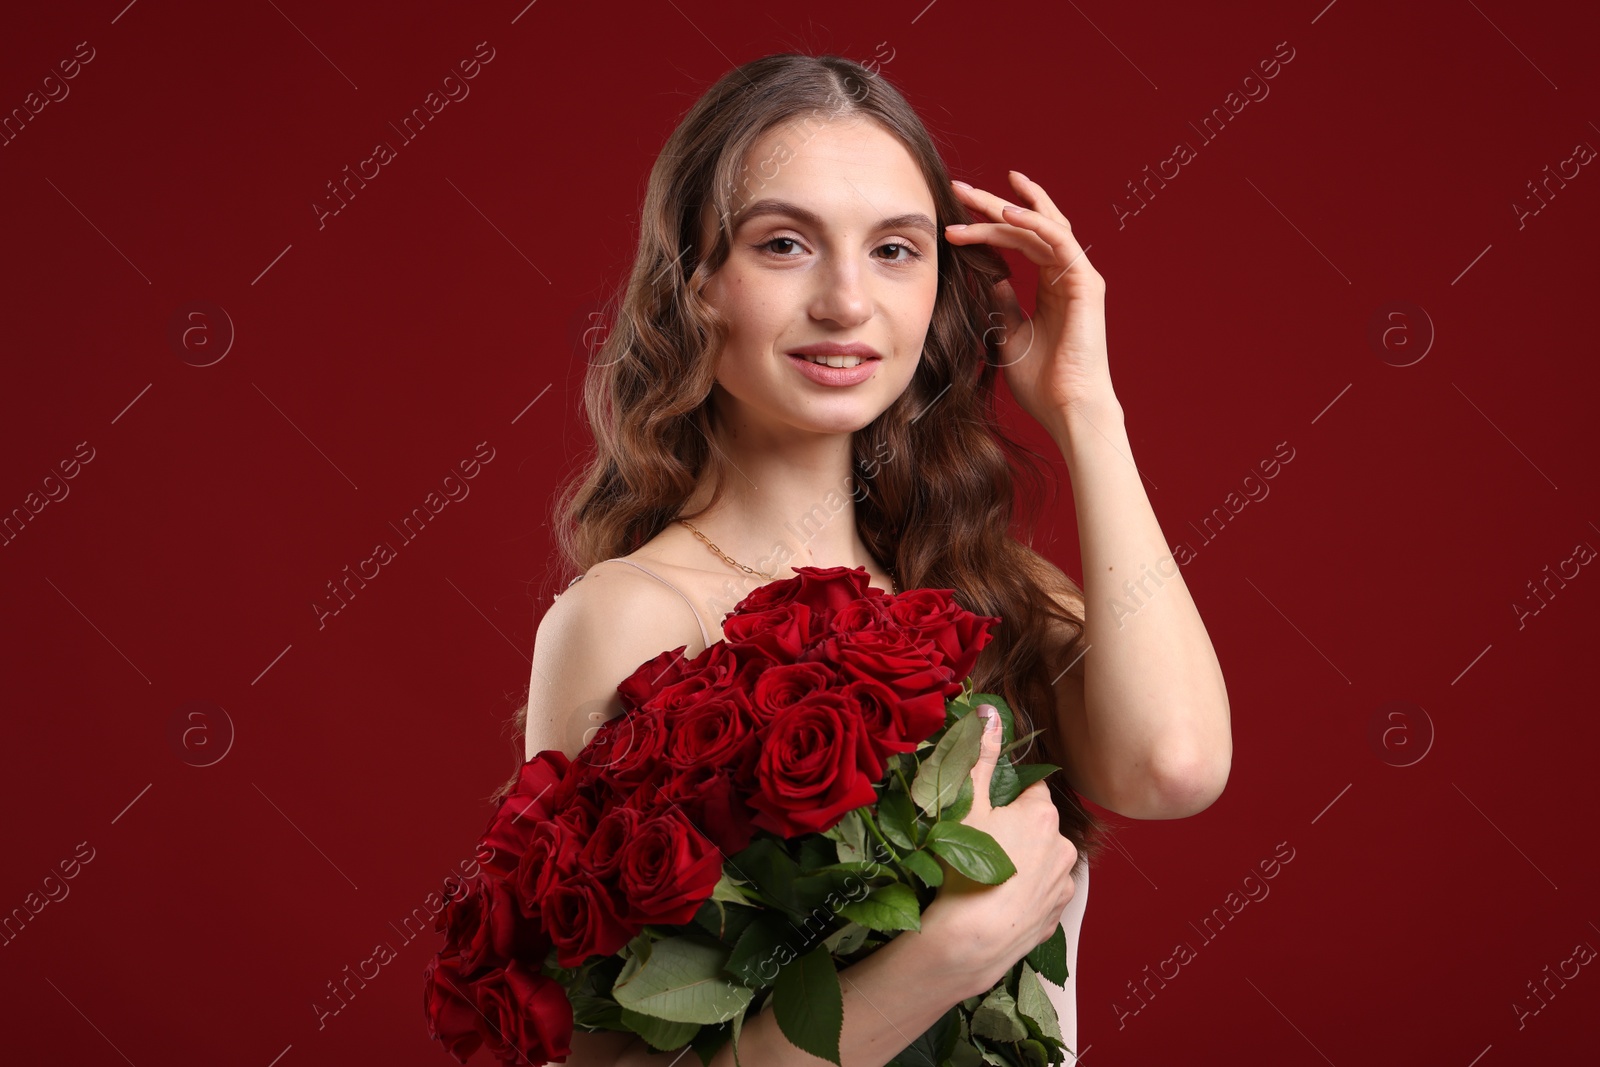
x: 378, y: 351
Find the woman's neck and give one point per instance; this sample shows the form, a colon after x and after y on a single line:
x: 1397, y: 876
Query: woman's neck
x: 779, y: 511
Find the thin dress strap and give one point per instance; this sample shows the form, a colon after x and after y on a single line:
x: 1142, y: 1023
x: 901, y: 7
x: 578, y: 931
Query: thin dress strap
x: 705, y: 638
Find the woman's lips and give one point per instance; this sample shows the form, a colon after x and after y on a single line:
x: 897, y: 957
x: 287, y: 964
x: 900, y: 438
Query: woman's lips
x: 825, y: 375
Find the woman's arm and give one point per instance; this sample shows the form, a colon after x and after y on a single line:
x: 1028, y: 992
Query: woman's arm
x: 1145, y: 711
x: 890, y: 999
x: 1146, y: 722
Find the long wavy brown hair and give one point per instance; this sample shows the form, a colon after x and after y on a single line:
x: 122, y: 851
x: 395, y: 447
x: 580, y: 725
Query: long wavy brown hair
x: 943, y: 519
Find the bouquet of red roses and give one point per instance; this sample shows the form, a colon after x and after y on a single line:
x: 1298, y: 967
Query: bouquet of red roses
x: 755, y: 818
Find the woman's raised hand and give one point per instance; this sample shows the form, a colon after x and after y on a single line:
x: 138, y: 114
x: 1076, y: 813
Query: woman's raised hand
x: 993, y: 926
x: 1057, y: 358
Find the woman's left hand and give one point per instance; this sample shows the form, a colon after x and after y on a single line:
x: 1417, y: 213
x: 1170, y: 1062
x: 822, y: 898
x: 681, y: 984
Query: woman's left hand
x: 1056, y: 359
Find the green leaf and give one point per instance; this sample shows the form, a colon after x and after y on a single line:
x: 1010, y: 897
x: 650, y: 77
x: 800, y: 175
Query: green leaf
x: 725, y: 922
x: 846, y: 939
x: 925, y: 867
x: 809, y: 1004
x: 1007, y: 749
x: 939, y: 779
x: 659, y: 1033
x: 962, y: 804
x: 637, y: 951
x: 851, y: 836
x: 965, y: 1055
x: 933, y: 1045
x: 766, y: 945
x: 712, y: 915
x: 856, y: 867
x: 727, y: 888
x: 890, y: 907
x: 708, y: 1042
x: 1025, y: 774
x: 1003, y: 785
x: 596, y: 1013
x: 895, y: 816
x: 682, y: 982
x: 1049, y: 957
x: 971, y: 851
x: 770, y: 869
x: 819, y: 894
x: 996, y: 1018
x: 814, y: 850
x: 1033, y: 1003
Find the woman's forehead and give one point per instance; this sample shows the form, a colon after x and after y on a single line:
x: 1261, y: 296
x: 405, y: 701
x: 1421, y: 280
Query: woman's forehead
x: 839, y: 171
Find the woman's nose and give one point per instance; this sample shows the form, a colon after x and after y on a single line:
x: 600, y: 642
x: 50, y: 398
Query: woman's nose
x: 842, y: 295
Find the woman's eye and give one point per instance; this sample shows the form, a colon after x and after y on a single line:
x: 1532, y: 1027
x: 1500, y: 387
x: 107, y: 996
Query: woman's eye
x: 910, y: 253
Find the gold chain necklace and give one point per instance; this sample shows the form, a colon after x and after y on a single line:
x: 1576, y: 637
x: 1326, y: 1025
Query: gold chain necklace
x: 894, y: 584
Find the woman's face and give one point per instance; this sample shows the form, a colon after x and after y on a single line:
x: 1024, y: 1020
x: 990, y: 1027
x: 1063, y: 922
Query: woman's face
x: 834, y: 240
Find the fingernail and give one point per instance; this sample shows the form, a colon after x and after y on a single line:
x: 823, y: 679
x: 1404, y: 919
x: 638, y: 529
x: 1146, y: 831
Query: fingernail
x: 1021, y: 175
x: 991, y: 717
x: 956, y: 226
x: 958, y: 181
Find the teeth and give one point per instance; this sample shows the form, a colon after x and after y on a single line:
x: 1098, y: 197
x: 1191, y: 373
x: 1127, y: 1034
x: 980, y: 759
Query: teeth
x: 835, y: 361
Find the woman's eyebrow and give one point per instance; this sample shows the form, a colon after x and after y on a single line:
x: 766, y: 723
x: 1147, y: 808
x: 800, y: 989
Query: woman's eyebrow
x: 912, y: 220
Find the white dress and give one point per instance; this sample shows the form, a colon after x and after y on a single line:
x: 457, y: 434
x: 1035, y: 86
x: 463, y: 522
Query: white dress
x: 1065, y: 998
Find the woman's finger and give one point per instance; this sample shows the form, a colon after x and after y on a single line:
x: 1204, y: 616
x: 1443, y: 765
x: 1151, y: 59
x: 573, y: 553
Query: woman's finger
x: 1068, y: 254
x: 1034, y: 196
x: 1006, y: 236
x: 1054, y: 233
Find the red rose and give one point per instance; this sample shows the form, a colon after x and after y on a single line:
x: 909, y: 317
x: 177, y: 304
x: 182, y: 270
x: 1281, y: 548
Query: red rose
x: 763, y: 597
x: 651, y: 677
x: 682, y: 683
x: 719, y: 732
x: 780, y: 632
x: 602, y: 852
x: 551, y: 855
x: 826, y: 590
x: 753, y: 663
x: 893, y: 724
x: 527, y: 1018
x: 529, y: 803
x: 667, y: 871
x: 708, y: 679
x: 648, y: 798
x: 957, y: 633
x: 447, y: 1003
x: 486, y: 928
x: 580, y: 815
x: 823, y: 589
x: 716, y: 801
x: 583, y: 918
x: 779, y: 687
x: 908, y: 665
x: 632, y: 746
x: 809, y: 774
x: 584, y: 775
x: 870, y: 613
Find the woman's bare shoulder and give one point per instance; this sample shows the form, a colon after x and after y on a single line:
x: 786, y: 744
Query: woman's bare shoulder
x: 596, y: 634
x: 621, y: 606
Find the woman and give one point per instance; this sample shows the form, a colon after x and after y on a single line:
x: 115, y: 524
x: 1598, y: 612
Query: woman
x: 800, y: 211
